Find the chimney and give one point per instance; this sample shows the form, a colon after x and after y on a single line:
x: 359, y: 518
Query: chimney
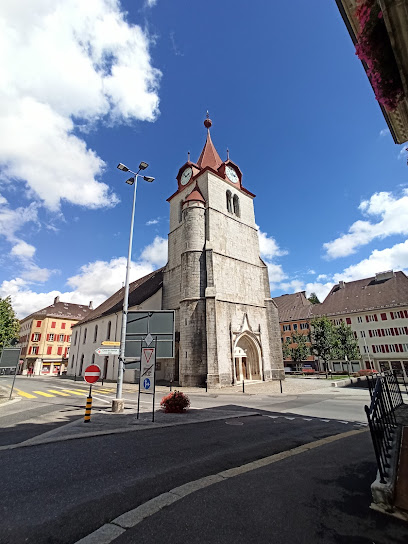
x: 342, y: 285
x: 56, y: 299
x: 90, y: 305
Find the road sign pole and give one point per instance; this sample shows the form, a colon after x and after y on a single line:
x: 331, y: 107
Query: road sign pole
x: 117, y: 403
x: 154, y: 377
x: 88, y: 407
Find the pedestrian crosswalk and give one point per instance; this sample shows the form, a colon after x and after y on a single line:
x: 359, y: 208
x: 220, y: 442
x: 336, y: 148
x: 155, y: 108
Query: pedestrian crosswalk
x: 62, y: 392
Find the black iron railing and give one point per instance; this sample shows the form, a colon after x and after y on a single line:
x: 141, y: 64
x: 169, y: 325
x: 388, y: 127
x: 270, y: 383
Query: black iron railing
x: 385, y: 398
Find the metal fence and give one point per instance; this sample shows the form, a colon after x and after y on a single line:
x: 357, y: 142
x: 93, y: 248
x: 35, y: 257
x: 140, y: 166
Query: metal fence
x: 385, y: 398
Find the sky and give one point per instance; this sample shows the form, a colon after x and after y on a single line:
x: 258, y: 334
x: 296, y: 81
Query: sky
x: 86, y: 85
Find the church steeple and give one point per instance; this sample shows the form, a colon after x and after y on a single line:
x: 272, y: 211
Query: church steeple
x: 209, y: 155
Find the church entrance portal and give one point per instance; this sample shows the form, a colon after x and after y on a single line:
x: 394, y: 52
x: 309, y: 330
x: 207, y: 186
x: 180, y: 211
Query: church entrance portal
x: 247, y: 360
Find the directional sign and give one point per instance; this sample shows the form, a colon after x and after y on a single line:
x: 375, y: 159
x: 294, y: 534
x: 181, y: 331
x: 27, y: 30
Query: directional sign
x: 92, y: 373
x: 109, y: 343
x: 107, y: 351
x: 147, y: 370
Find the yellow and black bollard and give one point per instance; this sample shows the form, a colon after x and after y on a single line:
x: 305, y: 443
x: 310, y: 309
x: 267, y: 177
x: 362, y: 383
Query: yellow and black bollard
x: 88, y: 407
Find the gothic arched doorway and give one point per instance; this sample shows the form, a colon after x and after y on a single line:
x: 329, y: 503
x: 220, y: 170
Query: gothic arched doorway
x: 247, y: 359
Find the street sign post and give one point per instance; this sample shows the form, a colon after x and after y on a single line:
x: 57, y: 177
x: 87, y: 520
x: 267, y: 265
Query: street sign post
x: 107, y: 351
x: 147, y: 378
x: 91, y: 376
x: 109, y: 343
x: 10, y: 358
x: 143, y: 327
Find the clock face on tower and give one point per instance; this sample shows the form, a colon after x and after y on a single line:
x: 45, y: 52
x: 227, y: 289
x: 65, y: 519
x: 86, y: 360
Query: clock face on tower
x: 186, y: 176
x: 231, y: 174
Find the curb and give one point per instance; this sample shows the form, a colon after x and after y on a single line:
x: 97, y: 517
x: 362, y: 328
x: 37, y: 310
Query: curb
x: 34, y: 442
x: 110, y: 531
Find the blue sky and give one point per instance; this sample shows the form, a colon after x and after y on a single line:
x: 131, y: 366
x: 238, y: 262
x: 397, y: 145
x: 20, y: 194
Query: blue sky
x: 108, y: 82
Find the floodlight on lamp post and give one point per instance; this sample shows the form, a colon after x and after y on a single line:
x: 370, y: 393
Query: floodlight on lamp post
x: 117, y: 403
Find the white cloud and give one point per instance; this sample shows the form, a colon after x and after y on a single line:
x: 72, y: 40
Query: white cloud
x: 311, y: 271
x: 68, y: 62
x: 292, y: 286
x: 321, y: 289
x: 403, y: 152
x: 384, y: 132
x: 151, y: 3
x: 152, y: 222
x: 268, y: 246
x: 11, y: 221
x: 95, y: 281
x: 392, y: 212
x: 22, y: 249
x: 156, y: 252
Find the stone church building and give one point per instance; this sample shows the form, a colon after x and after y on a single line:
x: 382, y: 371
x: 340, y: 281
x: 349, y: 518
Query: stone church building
x: 226, y: 323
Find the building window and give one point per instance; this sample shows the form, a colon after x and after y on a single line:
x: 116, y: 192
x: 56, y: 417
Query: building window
x: 49, y: 350
x: 404, y: 347
x: 371, y: 317
x: 38, y: 323
x: 401, y: 330
x: 374, y: 333
x: 73, y: 361
x: 82, y: 364
x: 93, y: 359
x: 76, y: 335
x: 53, y: 325
x: 60, y: 338
x: 50, y: 338
x: 96, y: 333
x: 337, y: 321
x: 304, y: 326
x: 108, y: 332
x: 66, y: 352
x: 236, y: 205
x: 229, y: 201
x: 69, y: 339
x: 365, y: 349
x: 85, y: 331
x: 393, y: 348
x: 62, y: 325
x: 286, y: 328
x: 384, y: 317
x: 397, y: 315
x: 36, y: 337
x: 288, y: 340
x: 35, y: 350
x: 295, y: 326
x: 359, y: 319
x: 362, y: 333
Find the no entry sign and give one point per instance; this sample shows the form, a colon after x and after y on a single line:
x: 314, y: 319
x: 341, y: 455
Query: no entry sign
x: 92, y: 373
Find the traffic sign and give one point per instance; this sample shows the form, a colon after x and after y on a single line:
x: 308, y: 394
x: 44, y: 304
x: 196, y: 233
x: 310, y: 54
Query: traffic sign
x: 107, y: 351
x: 92, y: 373
x: 147, y: 369
x: 109, y: 343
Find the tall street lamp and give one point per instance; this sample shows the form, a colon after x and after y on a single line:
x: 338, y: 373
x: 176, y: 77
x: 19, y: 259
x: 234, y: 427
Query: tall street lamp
x: 118, y: 403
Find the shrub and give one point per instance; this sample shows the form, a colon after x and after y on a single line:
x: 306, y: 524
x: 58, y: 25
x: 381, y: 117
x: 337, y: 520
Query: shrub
x: 175, y: 402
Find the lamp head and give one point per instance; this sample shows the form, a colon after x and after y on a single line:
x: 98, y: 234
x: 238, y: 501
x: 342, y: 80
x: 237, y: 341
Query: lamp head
x: 130, y: 181
x: 143, y: 165
x: 122, y: 167
x: 148, y: 178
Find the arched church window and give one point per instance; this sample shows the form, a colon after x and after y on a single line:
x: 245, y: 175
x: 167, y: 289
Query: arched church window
x: 229, y: 202
x: 236, y: 205
x: 108, y: 332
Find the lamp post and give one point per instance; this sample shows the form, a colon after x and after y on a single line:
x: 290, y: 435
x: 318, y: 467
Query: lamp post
x: 118, y: 403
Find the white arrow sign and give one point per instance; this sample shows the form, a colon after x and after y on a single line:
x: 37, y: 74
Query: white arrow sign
x: 107, y: 351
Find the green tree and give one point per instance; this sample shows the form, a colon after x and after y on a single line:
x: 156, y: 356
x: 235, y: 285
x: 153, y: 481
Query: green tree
x: 9, y: 324
x: 313, y: 298
x: 346, y: 347
x: 323, y: 339
x: 296, y: 348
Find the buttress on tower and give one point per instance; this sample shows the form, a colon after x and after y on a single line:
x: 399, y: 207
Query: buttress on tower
x: 227, y: 325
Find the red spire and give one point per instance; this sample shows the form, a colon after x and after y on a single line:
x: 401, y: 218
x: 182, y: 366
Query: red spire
x: 195, y: 195
x: 209, y: 155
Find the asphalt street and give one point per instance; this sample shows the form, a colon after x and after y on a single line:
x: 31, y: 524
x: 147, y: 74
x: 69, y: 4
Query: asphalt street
x: 57, y: 493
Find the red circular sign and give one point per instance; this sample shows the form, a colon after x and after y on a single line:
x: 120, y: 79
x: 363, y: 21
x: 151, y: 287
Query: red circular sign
x: 92, y: 373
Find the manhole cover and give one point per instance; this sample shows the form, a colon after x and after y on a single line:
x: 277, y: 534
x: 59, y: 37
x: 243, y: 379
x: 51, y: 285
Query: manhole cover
x: 234, y: 422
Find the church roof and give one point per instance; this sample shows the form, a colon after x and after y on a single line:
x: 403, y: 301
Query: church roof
x: 209, y: 155
x: 195, y: 195
x: 139, y: 291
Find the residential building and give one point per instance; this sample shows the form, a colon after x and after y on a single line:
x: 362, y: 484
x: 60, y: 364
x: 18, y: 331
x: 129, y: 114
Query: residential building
x: 376, y: 309
x: 392, y: 22
x: 45, y: 337
x: 295, y: 314
x: 227, y: 326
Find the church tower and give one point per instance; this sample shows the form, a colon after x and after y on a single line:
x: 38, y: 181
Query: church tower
x: 227, y: 325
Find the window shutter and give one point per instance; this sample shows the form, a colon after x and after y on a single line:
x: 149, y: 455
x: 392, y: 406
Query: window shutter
x: 384, y: 317
x: 406, y: 313
x: 375, y: 317
x: 387, y: 348
x: 379, y: 332
x: 367, y: 318
x: 396, y: 331
x: 400, y: 347
x: 39, y: 337
x: 348, y: 320
x: 392, y: 315
x: 382, y: 332
x: 49, y: 349
x: 32, y: 337
x: 392, y: 331
x: 48, y: 336
x: 382, y: 348
x: 406, y: 330
x: 29, y: 351
x: 370, y: 332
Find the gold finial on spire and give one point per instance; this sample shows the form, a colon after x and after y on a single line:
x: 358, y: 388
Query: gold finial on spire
x: 207, y: 122
x: 188, y: 155
x: 227, y: 154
